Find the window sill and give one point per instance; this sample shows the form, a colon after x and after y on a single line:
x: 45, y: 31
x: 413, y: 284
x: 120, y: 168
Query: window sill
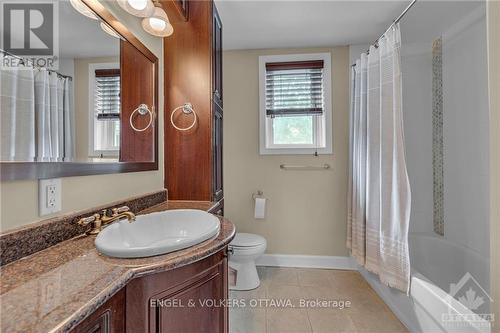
x: 295, y: 151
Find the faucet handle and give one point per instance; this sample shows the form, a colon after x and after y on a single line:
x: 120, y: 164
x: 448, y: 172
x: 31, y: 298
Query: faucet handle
x: 119, y: 210
x: 87, y: 220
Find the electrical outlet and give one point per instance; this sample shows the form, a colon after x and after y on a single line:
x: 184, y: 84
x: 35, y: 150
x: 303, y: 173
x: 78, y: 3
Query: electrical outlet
x: 49, y: 196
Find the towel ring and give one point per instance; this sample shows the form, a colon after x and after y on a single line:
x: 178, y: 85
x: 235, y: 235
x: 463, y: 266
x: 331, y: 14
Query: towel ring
x: 187, y: 108
x: 142, y: 109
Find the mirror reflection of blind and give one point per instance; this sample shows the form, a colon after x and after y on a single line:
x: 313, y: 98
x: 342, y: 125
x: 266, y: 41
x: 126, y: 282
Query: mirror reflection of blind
x: 107, y: 99
x: 294, y: 88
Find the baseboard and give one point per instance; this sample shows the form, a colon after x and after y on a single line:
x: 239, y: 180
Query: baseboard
x: 305, y: 261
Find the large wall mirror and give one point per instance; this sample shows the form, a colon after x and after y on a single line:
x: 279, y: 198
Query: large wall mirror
x: 93, y: 113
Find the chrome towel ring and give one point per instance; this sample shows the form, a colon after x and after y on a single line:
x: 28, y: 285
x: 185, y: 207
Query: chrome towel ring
x: 187, y: 108
x: 142, y: 109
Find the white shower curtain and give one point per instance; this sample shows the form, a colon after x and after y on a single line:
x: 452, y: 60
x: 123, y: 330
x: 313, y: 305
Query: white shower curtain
x: 55, y: 118
x: 17, y: 114
x: 37, y: 115
x: 379, y: 189
x: 69, y: 121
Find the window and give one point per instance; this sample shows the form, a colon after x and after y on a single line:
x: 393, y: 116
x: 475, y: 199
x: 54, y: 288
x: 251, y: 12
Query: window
x: 104, y: 105
x: 295, y: 104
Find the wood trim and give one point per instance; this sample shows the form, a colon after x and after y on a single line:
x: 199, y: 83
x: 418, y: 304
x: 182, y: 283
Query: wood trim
x: 289, y: 65
x: 119, y: 27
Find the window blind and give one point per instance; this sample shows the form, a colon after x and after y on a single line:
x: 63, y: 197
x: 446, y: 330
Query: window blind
x: 107, y: 94
x: 294, y: 88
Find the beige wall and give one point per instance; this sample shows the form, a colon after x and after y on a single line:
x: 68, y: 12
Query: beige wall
x: 19, y: 200
x: 81, y: 86
x: 494, y: 90
x: 306, y: 211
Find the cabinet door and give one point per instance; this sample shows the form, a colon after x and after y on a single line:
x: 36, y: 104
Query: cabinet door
x: 154, y: 301
x: 109, y: 318
x: 217, y: 128
x: 196, y: 308
x: 217, y: 57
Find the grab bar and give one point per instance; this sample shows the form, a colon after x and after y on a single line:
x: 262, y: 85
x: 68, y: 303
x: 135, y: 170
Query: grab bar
x: 304, y: 167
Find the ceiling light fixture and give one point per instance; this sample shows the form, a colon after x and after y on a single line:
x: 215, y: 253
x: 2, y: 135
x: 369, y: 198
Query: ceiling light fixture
x: 158, y: 23
x: 139, y: 8
x: 110, y: 31
x: 82, y: 8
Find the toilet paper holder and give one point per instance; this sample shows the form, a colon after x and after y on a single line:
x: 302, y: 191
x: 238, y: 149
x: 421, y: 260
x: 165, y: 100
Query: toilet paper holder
x: 259, y: 194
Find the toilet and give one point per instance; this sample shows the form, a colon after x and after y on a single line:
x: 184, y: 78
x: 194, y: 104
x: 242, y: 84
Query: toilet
x: 244, y: 249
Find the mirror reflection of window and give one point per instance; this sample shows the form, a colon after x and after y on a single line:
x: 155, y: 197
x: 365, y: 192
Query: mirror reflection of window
x: 105, y: 110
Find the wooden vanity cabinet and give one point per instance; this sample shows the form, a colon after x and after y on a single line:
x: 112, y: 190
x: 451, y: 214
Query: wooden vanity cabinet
x: 108, y: 318
x: 187, y: 299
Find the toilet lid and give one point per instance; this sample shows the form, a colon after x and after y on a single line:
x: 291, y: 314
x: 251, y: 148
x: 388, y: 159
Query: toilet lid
x: 247, y: 240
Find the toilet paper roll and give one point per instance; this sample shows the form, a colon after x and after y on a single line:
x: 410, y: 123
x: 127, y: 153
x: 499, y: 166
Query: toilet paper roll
x: 260, y: 208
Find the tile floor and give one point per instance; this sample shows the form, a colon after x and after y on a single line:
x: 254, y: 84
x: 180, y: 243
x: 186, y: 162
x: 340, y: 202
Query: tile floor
x: 367, y: 312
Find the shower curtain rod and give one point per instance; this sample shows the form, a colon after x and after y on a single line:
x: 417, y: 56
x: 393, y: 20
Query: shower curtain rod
x: 394, y: 22
x: 33, y: 65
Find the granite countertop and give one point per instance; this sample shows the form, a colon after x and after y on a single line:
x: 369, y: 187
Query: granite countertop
x: 54, y: 289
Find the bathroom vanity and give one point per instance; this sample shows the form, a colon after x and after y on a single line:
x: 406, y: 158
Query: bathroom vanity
x: 72, y: 287
x: 186, y: 299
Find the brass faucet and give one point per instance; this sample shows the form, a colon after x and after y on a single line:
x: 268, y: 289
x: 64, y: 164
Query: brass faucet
x: 99, y: 221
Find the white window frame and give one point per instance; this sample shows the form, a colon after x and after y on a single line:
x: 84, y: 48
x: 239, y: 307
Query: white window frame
x: 92, y: 87
x: 324, y: 123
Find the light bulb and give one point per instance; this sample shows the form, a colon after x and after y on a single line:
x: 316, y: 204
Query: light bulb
x: 138, y: 4
x: 109, y: 30
x: 157, y: 24
x: 83, y: 9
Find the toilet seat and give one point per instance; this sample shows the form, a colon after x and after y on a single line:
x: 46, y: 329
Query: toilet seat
x: 244, y: 241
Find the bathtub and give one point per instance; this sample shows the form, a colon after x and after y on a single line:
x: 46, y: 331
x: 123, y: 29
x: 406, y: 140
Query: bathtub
x: 437, y: 262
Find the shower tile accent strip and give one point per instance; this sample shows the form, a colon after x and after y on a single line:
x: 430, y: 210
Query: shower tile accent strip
x: 437, y: 135
x: 21, y: 242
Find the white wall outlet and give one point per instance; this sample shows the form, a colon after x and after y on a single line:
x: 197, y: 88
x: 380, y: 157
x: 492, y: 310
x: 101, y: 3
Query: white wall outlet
x: 49, y: 196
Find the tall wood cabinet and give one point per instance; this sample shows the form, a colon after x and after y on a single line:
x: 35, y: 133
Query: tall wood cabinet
x: 193, y: 73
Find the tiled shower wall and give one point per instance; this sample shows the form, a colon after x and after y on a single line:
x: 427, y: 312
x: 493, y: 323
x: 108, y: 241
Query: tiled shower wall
x: 437, y: 136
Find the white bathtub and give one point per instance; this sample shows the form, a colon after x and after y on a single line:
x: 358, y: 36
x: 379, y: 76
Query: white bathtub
x: 436, y: 262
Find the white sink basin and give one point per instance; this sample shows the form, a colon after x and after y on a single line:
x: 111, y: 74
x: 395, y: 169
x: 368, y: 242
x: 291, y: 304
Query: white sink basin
x: 157, y: 233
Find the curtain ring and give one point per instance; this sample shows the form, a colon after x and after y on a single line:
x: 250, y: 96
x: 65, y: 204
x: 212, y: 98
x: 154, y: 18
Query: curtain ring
x: 142, y: 109
x: 187, y: 108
